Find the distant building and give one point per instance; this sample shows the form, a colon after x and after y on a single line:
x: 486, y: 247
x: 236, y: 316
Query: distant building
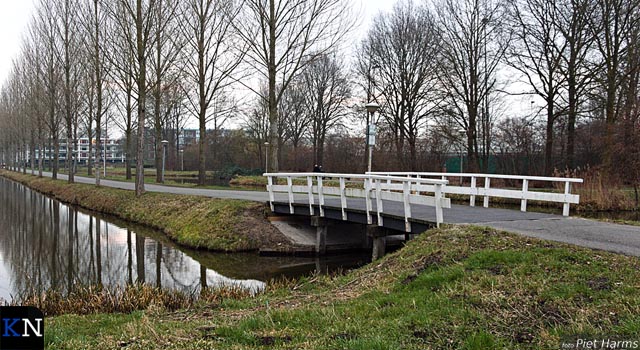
x: 111, y: 147
x: 188, y: 137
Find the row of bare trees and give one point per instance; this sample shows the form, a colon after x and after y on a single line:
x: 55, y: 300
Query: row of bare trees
x: 447, y: 74
x: 145, y: 65
x: 457, y: 67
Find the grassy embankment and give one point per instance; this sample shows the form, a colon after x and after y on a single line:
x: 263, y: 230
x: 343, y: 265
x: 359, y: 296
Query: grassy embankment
x: 452, y: 288
x: 192, y: 221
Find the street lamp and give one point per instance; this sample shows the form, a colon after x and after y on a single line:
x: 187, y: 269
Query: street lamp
x: 164, y: 156
x: 266, y: 157
x: 372, y: 108
x: 182, y: 159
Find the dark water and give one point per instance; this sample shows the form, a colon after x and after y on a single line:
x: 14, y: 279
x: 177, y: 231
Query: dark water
x: 45, y: 244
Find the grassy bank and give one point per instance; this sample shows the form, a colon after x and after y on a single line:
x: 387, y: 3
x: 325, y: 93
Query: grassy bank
x: 452, y: 288
x: 193, y: 221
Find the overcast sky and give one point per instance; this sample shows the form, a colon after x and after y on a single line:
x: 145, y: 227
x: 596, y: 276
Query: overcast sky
x: 15, y: 16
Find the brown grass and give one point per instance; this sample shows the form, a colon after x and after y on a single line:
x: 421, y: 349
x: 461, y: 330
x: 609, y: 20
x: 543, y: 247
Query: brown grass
x: 600, y: 192
x: 96, y: 299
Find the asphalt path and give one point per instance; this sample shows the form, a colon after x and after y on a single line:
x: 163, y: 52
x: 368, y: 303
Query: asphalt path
x: 623, y: 239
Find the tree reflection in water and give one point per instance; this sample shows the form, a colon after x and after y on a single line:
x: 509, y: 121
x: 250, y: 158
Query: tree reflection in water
x: 45, y: 244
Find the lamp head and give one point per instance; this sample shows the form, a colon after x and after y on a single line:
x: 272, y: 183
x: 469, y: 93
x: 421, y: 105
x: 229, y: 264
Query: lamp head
x: 372, y: 107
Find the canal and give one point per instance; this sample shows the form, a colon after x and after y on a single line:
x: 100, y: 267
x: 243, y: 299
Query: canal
x: 45, y: 245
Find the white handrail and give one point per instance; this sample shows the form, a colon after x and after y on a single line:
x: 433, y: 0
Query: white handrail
x: 390, y: 188
x: 566, y: 198
x: 493, y: 176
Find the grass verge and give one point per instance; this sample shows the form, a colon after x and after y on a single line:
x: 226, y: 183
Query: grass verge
x: 196, y: 222
x: 451, y: 288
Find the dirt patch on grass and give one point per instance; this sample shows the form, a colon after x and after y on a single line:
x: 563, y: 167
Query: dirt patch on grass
x: 257, y: 228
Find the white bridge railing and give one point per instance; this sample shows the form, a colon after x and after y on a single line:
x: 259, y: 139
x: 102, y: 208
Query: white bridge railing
x: 318, y: 187
x: 487, y: 191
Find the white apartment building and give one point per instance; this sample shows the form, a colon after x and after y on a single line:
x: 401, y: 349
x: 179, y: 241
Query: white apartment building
x: 110, y: 147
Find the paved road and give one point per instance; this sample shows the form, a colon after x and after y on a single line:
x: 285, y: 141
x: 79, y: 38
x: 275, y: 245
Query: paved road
x: 257, y: 196
x: 616, y: 238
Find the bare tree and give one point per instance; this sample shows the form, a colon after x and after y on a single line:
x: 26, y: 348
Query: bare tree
x: 164, y: 70
x: 68, y: 53
x: 473, y: 48
x: 295, y: 118
x: 46, y: 27
x: 537, y: 53
x: 142, y: 15
x: 282, y: 37
x: 119, y: 52
x: 95, y: 26
x: 572, y: 19
x: 211, y: 58
x: 326, y: 93
x: 404, y: 46
x: 611, y: 22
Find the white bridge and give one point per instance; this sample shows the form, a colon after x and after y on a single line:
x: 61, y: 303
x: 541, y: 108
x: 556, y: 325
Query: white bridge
x: 412, y: 201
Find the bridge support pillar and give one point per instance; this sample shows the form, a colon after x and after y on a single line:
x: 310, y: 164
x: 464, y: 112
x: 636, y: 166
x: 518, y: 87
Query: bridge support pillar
x: 379, y: 236
x: 322, y: 226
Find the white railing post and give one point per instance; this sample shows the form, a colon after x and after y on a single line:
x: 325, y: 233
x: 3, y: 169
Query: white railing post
x: 367, y: 198
x: 321, y: 196
x: 487, y: 185
x: 310, y: 191
x: 379, y: 208
x: 418, y: 184
x: 472, y: 201
x: 406, y: 187
x: 290, y: 190
x: 272, y: 197
x: 525, y: 189
x: 343, y: 199
x: 438, y: 195
x: 565, y: 206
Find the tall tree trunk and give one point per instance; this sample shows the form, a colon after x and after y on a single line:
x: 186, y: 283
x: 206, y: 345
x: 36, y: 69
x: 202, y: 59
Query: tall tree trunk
x: 202, y: 149
x: 273, y: 107
x: 98, y: 72
x: 56, y: 155
x: 90, y: 145
x: 571, y: 119
x: 129, y: 135
x: 548, y: 146
x: 142, y: 95
x: 129, y: 159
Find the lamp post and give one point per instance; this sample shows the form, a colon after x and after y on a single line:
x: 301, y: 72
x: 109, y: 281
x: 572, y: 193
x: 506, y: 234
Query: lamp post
x: 372, y: 108
x: 164, y: 156
x: 266, y: 157
x: 181, y: 160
